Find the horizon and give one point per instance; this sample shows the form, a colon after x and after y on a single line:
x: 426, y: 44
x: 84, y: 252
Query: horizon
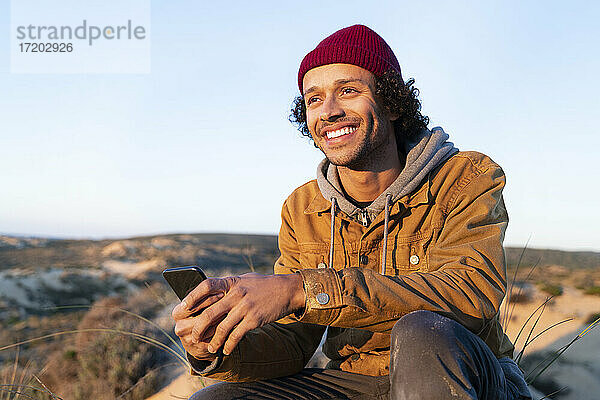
x: 147, y: 235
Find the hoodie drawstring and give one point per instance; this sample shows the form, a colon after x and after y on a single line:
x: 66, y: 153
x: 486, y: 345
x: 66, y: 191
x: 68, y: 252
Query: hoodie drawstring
x: 385, y: 232
x: 333, y: 203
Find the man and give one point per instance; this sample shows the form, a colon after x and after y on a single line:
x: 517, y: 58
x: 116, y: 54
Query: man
x: 396, y: 247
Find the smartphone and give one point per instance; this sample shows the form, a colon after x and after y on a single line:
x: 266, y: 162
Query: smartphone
x: 183, y: 279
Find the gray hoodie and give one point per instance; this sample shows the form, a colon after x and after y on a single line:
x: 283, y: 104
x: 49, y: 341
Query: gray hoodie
x: 427, y: 151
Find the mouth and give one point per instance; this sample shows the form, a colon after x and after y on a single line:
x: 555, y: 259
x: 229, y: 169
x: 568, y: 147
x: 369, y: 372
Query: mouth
x: 336, y: 132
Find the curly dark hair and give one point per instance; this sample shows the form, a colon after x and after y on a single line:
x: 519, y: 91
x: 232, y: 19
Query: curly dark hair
x: 399, y: 97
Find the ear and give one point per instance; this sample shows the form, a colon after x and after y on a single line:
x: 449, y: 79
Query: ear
x: 393, y: 117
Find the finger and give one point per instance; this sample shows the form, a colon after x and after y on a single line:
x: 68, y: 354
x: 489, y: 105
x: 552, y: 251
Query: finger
x: 210, y: 316
x: 210, y: 331
x: 209, y: 301
x: 198, y: 350
x: 197, y: 295
x: 204, y: 289
x: 183, y: 327
x: 236, y: 336
x: 180, y: 311
x: 223, y: 329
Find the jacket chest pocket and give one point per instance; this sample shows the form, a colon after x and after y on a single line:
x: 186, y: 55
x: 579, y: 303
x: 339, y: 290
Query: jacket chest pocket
x: 408, y: 254
x: 316, y: 255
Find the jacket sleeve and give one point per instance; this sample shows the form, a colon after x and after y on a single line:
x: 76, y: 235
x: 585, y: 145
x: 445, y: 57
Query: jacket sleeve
x: 277, y: 349
x: 465, y: 281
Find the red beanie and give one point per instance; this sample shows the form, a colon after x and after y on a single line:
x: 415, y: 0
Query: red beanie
x: 357, y: 45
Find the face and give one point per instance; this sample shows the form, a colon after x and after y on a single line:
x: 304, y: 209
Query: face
x: 344, y: 117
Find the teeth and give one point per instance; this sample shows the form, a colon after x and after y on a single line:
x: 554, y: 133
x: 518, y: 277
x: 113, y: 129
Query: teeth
x: 340, y: 132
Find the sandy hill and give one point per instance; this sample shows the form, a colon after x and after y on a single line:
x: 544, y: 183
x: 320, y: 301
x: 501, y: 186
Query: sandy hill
x: 39, y: 274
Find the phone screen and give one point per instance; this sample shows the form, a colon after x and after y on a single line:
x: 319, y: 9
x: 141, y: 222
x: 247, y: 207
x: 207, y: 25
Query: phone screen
x: 183, y: 279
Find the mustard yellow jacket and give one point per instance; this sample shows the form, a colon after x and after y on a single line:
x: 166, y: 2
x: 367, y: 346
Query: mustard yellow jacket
x: 444, y: 254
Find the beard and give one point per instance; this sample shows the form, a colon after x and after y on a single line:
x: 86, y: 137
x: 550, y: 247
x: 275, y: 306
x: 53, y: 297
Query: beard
x: 368, y: 153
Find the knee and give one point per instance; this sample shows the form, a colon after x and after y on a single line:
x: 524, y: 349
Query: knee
x: 422, y: 329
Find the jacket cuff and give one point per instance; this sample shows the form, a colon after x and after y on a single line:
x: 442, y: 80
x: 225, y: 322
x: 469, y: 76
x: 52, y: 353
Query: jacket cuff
x: 201, y: 367
x: 323, y: 296
x: 222, y: 368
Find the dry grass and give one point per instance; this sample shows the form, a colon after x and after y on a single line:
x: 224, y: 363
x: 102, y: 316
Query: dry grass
x: 536, y: 364
x: 16, y: 383
x: 113, y: 353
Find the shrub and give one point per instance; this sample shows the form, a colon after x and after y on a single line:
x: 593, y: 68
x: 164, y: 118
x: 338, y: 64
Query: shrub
x: 107, y: 365
x: 592, y: 318
x: 70, y: 354
x: 111, y: 364
x: 552, y: 289
x: 521, y: 298
x: 595, y: 290
x: 521, y: 293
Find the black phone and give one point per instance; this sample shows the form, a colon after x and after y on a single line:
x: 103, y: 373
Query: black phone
x: 183, y: 279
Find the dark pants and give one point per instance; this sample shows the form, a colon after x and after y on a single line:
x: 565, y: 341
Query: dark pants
x: 432, y: 357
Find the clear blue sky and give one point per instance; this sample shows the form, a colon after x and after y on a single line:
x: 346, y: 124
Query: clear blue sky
x: 202, y: 143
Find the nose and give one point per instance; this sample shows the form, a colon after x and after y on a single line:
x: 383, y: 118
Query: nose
x: 331, y: 109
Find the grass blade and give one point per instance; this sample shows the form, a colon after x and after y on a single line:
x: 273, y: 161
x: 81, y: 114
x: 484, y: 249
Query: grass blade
x: 131, y: 313
x: 46, y: 388
x: 18, y: 386
x: 12, y: 391
x: 553, y: 357
x: 14, y: 373
x: 513, y: 282
x: 513, y: 305
x: 544, y: 331
x: 531, y: 316
x: 518, y: 360
x: 138, y: 336
x: 589, y: 328
x: 553, y: 393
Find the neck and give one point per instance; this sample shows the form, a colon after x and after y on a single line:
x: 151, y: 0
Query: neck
x: 366, y: 184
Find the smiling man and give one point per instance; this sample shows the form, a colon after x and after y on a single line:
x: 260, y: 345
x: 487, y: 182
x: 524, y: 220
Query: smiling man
x: 395, y: 251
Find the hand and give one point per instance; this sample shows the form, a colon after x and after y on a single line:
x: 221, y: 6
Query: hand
x: 183, y: 328
x: 249, y: 301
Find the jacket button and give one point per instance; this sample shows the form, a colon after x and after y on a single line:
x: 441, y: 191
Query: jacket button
x: 363, y: 259
x: 322, y: 298
x: 414, y: 259
x: 321, y: 265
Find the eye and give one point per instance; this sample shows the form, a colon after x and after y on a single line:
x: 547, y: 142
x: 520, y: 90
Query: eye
x: 311, y: 100
x: 348, y: 90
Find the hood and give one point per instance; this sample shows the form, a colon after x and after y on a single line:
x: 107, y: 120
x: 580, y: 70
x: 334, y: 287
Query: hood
x: 427, y: 151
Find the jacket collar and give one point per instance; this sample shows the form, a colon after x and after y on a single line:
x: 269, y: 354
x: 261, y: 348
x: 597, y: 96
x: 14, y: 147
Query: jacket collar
x: 317, y: 204
x: 420, y: 196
